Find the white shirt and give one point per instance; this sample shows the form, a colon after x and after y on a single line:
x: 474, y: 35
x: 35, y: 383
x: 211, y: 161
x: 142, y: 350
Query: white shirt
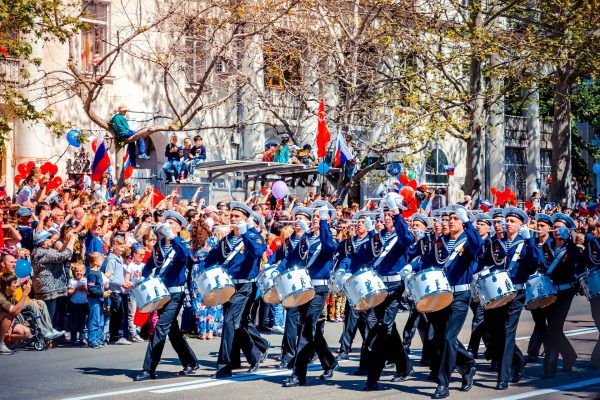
x: 78, y: 297
x: 136, y: 272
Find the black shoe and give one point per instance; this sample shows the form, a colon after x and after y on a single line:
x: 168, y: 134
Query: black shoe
x: 342, y: 356
x: 370, y: 387
x: 441, y: 392
x: 328, y: 373
x: 293, y: 381
x: 189, y: 370
x: 283, y: 365
x: 144, y: 376
x: 360, y: 372
x: 501, y: 385
x: 467, y: 380
x: 221, y: 375
x: 401, y: 378
x: 531, y: 359
x: 390, y: 365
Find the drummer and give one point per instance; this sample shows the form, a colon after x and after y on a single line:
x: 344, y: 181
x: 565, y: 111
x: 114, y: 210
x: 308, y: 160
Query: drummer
x: 241, y: 252
x: 289, y: 342
x: 540, y: 331
x: 522, y: 259
x: 562, y: 272
x: 384, y: 340
x: 314, y: 252
x: 498, y: 222
x: 355, y: 253
x: 592, y: 256
x: 458, y: 257
x: 169, y: 261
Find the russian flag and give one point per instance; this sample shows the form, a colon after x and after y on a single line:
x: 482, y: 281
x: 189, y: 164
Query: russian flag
x: 342, y: 151
x: 101, y: 159
x: 449, y: 170
x: 127, y: 167
x: 485, y: 205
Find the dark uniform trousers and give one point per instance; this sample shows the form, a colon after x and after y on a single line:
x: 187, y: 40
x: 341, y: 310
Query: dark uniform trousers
x: 540, y: 333
x: 503, y: 325
x: 556, y: 313
x: 353, y: 321
x: 384, y: 341
x: 290, y: 334
x: 595, y: 306
x: 479, y: 328
x: 238, y: 329
x: 415, y: 320
x: 448, y: 351
x: 311, y: 339
x: 167, y: 325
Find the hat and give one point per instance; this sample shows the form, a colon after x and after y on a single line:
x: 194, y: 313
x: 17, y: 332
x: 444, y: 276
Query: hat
x: 299, y: 210
x: 269, y: 144
x: 564, y: 218
x: 123, y: 107
x: 364, y: 214
x: 496, y: 212
x: 321, y: 203
x: 421, y: 218
x: 210, y: 209
x: 452, y: 209
x: 24, y: 212
x: 307, y: 147
x: 483, y: 217
x: 515, y: 212
x: 41, y: 236
x: 174, y: 215
x: 241, y: 207
x: 257, y: 218
x: 545, y: 218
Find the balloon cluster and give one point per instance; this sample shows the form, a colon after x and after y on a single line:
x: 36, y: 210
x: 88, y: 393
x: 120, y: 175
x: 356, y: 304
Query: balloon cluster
x: 47, y: 168
x: 504, y: 196
x: 411, y: 192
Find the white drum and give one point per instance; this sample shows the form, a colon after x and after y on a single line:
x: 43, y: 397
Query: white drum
x: 495, y: 289
x: 266, y: 284
x: 150, y: 294
x: 539, y: 292
x: 294, y: 287
x: 590, y: 282
x: 214, y: 286
x: 337, y: 280
x: 365, y: 289
x: 430, y: 290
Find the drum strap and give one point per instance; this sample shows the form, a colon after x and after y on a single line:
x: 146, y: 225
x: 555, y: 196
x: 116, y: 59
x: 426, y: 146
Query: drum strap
x: 166, y: 264
x: 234, y: 251
x: 557, y: 259
x: 457, y: 248
x: 515, y: 258
x: 314, y: 256
x: 386, y: 250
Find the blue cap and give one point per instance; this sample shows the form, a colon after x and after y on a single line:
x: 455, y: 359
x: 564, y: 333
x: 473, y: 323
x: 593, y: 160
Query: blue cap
x: 24, y: 212
x: 174, y: 215
x: 545, y: 218
x: 517, y: 213
x: 421, y: 218
x: 41, y: 236
x: 321, y: 203
x: 564, y: 218
x: 483, y: 217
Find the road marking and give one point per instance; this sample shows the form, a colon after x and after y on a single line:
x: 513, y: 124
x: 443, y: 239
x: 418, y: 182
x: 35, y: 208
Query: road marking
x: 562, y: 388
x: 194, y: 384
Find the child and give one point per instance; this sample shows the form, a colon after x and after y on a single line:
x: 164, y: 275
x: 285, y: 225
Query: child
x: 96, y: 296
x: 133, y: 274
x: 78, y: 292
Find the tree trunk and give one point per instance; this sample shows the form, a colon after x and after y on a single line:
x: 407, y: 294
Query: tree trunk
x: 561, y: 137
x: 474, y: 162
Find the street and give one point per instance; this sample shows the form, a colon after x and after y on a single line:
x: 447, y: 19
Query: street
x: 83, y: 373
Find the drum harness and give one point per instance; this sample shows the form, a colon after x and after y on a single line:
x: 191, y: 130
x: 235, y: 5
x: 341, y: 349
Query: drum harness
x: 392, y: 239
x: 457, y: 248
x: 236, y: 249
x: 310, y: 240
x: 562, y: 251
x: 514, y: 260
x: 162, y: 268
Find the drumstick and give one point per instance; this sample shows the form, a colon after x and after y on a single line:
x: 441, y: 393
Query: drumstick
x: 533, y: 230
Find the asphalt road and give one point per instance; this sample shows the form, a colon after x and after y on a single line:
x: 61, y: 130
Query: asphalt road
x: 82, y: 373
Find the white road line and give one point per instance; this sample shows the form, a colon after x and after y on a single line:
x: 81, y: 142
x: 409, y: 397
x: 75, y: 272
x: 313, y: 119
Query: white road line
x: 194, y: 384
x: 541, y: 392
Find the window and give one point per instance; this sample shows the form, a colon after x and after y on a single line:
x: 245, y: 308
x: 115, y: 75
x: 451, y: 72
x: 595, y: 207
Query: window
x: 94, y: 36
x: 195, y: 59
x: 282, y: 67
x: 545, y: 171
x: 435, y: 168
x: 516, y: 171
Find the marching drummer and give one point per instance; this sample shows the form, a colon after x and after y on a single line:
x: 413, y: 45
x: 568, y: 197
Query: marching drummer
x: 355, y: 253
x: 458, y: 257
x: 562, y: 272
x: 170, y: 262
x: 384, y: 340
x: 522, y: 259
x: 289, y: 341
x: 241, y: 252
x: 314, y: 252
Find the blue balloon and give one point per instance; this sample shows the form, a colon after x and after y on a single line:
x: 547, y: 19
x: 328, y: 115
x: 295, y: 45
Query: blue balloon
x: 394, y: 168
x: 323, y: 167
x: 23, y: 268
x: 72, y: 136
x: 596, y: 169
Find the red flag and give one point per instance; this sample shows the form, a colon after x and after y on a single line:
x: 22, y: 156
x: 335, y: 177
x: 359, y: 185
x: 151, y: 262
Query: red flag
x: 157, y: 197
x: 323, y: 136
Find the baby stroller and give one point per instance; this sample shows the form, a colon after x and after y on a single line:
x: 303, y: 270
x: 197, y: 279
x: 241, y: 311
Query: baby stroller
x: 37, y: 340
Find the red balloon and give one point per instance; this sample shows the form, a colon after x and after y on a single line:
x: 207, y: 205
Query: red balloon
x: 18, y: 179
x: 528, y: 205
x: 94, y: 144
x: 52, y: 169
x: 22, y: 168
x: 403, y: 179
x: 54, y: 183
x: 30, y: 166
x: 413, y: 184
x: 408, y: 193
x: 44, y: 169
x: 276, y: 243
x: 493, y: 190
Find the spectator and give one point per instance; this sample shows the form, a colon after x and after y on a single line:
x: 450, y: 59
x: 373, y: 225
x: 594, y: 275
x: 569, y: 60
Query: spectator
x: 121, y: 127
x: 9, y: 309
x: 199, y: 149
x: 25, y: 227
x: 188, y: 157
x: 133, y: 274
x: 29, y: 191
x: 269, y: 155
x: 115, y: 272
x: 96, y: 296
x: 282, y: 154
x: 173, y: 165
x: 78, y: 292
x: 306, y: 157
